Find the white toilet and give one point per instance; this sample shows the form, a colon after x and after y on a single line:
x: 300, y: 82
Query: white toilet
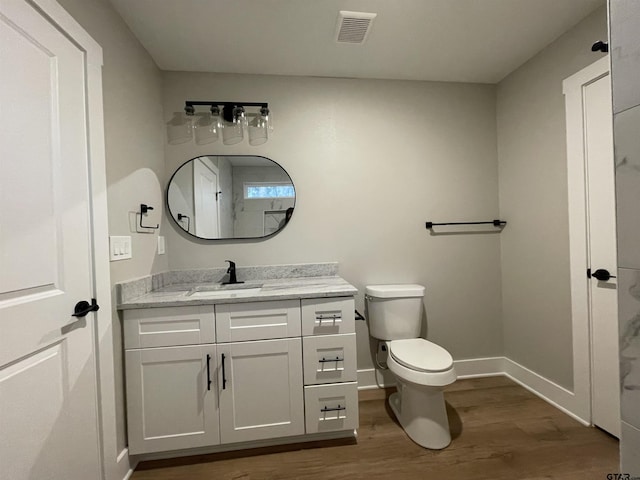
x: 422, y: 368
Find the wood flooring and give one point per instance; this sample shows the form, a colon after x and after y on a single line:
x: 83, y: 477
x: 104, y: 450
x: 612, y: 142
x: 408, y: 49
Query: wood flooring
x: 499, y: 429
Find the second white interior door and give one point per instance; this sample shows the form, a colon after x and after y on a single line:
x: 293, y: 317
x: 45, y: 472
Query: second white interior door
x: 601, y: 226
x: 205, y: 192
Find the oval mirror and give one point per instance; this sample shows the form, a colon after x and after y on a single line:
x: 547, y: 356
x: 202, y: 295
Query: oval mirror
x: 226, y: 197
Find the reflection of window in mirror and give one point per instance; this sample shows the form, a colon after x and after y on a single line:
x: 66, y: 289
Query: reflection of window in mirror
x: 267, y: 190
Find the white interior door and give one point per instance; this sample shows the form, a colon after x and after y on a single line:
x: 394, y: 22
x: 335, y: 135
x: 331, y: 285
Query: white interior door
x: 601, y: 226
x: 48, y: 391
x: 205, y: 192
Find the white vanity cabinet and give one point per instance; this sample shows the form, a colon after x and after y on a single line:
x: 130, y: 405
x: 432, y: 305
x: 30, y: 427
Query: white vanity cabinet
x: 202, y: 376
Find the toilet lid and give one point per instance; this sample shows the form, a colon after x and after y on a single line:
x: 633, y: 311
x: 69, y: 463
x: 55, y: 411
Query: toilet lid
x: 420, y: 354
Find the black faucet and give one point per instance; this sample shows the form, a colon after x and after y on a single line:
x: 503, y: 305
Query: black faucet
x: 232, y: 274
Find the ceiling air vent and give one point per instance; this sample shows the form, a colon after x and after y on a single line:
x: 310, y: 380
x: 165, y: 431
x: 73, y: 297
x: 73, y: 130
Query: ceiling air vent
x: 353, y: 27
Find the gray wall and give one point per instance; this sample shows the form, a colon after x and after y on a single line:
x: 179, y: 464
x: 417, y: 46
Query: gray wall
x: 536, y: 302
x: 371, y: 162
x: 625, y: 67
x: 134, y: 139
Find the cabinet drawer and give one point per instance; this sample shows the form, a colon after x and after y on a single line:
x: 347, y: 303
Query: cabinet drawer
x: 329, y: 359
x: 165, y: 327
x: 330, y: 408
x: 239, y: 322
x: 328, y: 316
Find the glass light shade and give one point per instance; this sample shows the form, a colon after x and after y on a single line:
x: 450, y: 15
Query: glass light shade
x: 179, y: 129
x: 207, y: 128
x: 233, y: 132
x: 260, y: 128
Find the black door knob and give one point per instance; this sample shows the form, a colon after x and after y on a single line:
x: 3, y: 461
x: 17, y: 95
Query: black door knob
x: 602, y: 275
x: 83, y: 307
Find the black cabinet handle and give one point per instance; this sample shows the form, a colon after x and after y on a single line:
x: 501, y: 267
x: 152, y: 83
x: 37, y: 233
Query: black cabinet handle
x: 224, y: 376
x: 334, y: 409
x: 208, y: 372
x: 83, y: 308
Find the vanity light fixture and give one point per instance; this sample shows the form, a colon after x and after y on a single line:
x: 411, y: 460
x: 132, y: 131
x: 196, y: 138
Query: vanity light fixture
x: 231, y: 119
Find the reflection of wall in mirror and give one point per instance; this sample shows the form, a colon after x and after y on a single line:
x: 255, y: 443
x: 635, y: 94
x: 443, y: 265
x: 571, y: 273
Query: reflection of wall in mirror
x: 249, y: 214
x: 180, y: 196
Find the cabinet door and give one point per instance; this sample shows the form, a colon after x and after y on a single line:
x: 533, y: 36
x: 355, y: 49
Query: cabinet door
x: 261, y: 391
x: 172, y: 398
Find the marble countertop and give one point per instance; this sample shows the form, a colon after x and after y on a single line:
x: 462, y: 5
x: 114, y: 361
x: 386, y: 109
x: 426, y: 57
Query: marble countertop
x: 271, y: 289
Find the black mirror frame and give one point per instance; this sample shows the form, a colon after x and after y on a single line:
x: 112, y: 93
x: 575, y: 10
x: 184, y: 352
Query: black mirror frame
x: 226, y: 239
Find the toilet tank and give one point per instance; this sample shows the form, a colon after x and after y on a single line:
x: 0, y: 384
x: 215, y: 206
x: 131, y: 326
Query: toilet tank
x: 394, y: 311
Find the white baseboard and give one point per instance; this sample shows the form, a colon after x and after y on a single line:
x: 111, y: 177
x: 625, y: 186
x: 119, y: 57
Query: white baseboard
x: 371, y: 378
x: 479, y: 367
x: 125, y: 468
x: 561, y: 398
x: 552, y: 393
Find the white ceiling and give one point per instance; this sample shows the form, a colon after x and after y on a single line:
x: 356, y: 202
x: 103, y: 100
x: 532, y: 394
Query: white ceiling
x: 446, y: 40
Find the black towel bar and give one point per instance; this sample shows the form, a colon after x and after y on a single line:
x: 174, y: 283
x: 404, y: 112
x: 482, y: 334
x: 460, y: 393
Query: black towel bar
x: 495, y: 223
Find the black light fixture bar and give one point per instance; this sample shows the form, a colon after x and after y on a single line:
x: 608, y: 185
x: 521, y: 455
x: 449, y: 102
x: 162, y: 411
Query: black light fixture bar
x: 227, y: 107
x: 193, y: 103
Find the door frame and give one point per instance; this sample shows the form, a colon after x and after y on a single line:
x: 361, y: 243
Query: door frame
x: 114, y: 464
x: 573, y: 89
x: 216, y: 171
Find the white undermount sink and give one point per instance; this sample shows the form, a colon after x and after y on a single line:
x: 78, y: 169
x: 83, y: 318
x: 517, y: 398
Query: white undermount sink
x: 219, y: 290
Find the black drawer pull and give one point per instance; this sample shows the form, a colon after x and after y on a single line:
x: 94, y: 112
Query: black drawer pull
x: 333, y: 409
x: 328, y: 360
x: 328, y: 317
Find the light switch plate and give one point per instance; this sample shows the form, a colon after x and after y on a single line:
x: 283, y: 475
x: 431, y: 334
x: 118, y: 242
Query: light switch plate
x: 160, y: 245
x: 119, y: 248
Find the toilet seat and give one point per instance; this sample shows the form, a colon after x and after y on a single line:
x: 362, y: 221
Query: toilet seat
x: 410, y: 360
x: 421, y: 355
